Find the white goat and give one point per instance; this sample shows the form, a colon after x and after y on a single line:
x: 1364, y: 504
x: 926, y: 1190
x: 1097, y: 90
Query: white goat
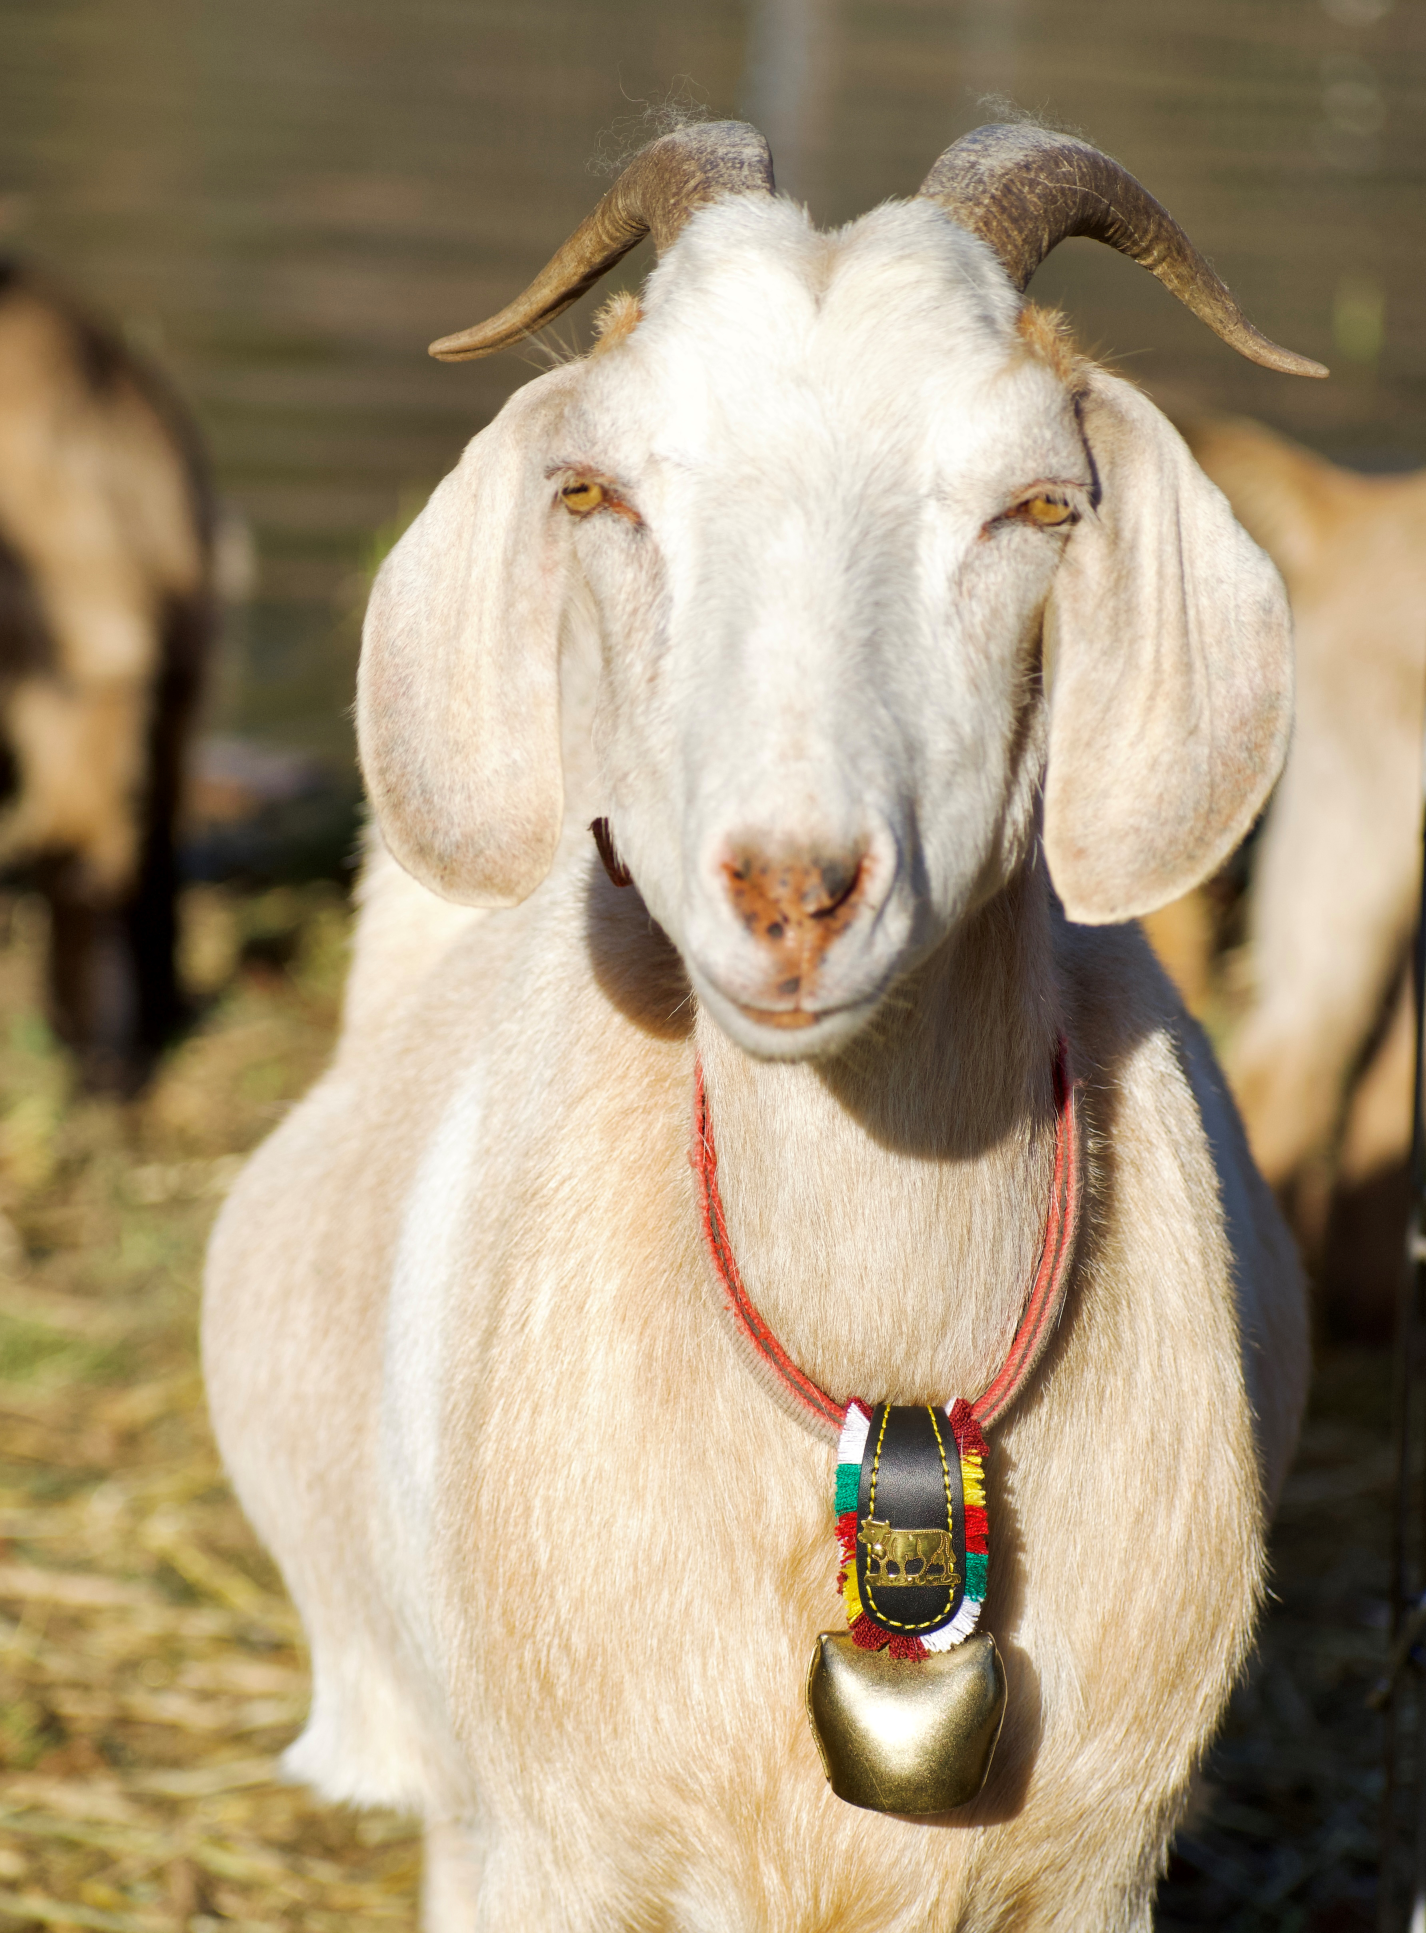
x: 787, y: 544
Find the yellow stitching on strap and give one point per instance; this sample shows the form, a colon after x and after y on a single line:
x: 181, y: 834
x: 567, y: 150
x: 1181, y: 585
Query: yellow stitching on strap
x: 925, y: 1624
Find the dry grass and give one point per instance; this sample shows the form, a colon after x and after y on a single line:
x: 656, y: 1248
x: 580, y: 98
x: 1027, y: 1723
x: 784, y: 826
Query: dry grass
x: 1285, y: 1837
x: 150, y: 1666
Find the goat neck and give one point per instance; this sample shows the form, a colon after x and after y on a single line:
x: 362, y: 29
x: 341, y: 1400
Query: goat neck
x: 942, y: 1112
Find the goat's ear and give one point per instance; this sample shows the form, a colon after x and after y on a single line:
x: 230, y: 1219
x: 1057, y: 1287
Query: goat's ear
x: 458, y: 691
x: 1169, y: 647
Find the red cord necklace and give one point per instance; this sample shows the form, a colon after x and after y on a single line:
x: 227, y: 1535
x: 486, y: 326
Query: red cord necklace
x: 913, y: 1588
x: 906, y: 1706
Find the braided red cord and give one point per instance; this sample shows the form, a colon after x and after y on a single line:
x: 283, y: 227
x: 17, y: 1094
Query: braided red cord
x: 803, y: 1391
x: 1037, y: 1322
x: 1042, y: 1310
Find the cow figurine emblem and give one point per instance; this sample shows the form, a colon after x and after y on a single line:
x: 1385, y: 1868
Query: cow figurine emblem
x: 907, y: 1556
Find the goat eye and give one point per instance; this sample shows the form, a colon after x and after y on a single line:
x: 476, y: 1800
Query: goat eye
x: 582, y: 496
x: 1048, y: 513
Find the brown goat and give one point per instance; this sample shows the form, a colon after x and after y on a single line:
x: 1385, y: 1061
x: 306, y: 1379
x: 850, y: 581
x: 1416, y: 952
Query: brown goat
x: 1321, y: 1063
x: 105, y: 621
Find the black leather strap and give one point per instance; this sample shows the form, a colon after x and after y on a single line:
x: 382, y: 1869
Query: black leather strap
x: 910, y: 1483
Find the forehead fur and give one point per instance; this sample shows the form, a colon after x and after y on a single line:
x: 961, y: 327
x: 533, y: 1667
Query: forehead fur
x: 757, y: 270
x: 1048, y: 337
x: 758, y: 334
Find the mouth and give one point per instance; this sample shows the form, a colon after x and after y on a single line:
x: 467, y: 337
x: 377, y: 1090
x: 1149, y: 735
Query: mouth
x: 793, y: 1032
x: 785, y: 1018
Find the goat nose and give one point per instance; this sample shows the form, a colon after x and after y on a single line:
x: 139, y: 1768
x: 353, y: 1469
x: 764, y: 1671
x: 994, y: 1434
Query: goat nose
x: 795, y: 905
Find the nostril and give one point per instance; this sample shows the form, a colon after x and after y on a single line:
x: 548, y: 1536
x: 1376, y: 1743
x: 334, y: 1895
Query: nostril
x: 840, y: 879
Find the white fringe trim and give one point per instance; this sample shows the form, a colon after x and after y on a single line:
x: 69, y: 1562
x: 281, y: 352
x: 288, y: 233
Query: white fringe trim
x: 959, y: 1628
x: 855, y: 1429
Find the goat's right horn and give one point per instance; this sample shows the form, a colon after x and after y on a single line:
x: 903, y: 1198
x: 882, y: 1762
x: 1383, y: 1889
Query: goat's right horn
x: 662, y: 186
x: 1025, y: 189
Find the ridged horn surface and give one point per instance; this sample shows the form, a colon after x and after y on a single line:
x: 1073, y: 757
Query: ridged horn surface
x: 1025, y: 189
x: 662, y: 186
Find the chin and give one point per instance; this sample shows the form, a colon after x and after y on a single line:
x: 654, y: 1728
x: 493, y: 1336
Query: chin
x: 788, y: 1034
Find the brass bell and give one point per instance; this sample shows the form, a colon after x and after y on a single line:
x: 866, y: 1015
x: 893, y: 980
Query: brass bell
x: 906, y: 1735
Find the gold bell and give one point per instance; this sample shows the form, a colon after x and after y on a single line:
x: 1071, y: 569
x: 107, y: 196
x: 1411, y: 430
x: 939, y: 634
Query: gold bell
x: 905, y: 1735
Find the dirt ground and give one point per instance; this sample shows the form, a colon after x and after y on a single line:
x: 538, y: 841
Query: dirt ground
x: 150, y: 1666
x: 1285, y: 1835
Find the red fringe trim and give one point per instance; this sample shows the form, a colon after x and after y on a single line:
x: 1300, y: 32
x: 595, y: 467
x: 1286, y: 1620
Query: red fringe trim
x: 847, y: 1533
x: 868, y: 1636
x: 977, y: 1527
x: 969, y: 1440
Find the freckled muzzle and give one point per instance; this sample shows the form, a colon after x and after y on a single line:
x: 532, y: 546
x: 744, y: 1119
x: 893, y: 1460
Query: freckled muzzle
x: 793, y: 908
x: 793, y: 943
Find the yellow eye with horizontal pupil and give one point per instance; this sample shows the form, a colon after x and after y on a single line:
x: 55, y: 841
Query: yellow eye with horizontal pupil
x: 1047, y: 512
x: 582, y: 497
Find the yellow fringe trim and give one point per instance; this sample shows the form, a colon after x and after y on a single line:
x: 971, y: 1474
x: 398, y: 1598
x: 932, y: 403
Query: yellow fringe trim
x: 851, y: 1597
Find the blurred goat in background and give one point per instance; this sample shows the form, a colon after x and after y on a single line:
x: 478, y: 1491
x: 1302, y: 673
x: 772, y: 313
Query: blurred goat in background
x: 1321, y: 1058
x: 106, y: 616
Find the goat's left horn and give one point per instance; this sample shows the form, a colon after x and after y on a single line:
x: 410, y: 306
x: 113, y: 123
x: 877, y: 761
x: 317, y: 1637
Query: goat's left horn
x: 1025, y: 189
x: 662, y: 186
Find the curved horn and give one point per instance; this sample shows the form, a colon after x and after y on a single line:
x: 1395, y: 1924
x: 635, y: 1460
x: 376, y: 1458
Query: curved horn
x: 1024, y: 189
x: 661, y: 187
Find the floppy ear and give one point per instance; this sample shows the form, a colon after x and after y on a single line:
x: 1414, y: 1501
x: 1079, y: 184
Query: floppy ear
x: 458, y: 690
x: 1170, y: 647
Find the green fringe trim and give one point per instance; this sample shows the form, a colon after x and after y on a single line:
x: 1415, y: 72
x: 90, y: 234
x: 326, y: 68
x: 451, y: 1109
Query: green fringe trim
x: 849, y: 1476
x: 975, y: 1573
